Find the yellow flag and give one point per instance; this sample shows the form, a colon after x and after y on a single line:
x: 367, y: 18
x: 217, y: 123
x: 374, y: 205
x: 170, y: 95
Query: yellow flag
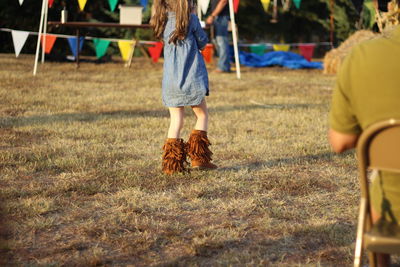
x: 82, y: 4
x: 281, y: 47
x: 265, y: 4
x: 125, y: 48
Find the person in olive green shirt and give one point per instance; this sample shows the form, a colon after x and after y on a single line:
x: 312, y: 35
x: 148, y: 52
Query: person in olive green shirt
x: 367, y: 91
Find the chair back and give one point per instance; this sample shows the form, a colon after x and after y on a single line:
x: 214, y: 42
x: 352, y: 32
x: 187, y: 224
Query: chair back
x: 378, y: 148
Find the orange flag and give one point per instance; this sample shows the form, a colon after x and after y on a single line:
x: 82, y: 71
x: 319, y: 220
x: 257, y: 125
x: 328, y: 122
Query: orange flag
x: 48, y: 41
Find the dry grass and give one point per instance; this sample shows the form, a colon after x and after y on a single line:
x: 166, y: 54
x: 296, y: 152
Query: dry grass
x: 81, y: 184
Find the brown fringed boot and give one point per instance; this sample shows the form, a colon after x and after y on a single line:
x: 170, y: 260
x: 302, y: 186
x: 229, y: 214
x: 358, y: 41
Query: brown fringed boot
x: 199, y: 153
x: 174, y: 156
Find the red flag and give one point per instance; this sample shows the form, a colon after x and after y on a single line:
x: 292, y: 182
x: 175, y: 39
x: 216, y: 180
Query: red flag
x: 208, y: 53
x: 235, y: 5
x: 155, y: 51
x: 51, y: 3
x: 307, y: 50
x: 50, y: 40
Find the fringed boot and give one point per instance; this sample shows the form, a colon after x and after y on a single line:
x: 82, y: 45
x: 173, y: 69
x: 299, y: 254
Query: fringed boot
x: 174, y: 156
x: 199, y: 153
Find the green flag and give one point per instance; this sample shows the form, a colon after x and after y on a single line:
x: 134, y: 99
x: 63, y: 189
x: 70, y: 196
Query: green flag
x: 113, y: 4
x: 101, y: 46
x: 297, y: 3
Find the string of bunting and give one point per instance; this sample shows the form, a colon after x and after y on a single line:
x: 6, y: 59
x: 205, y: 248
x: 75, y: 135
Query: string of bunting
x: 112, y: 4
x: 154, y: 48
x: 101, y: 44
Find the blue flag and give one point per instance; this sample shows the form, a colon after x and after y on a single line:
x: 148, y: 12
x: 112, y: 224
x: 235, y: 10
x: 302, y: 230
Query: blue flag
x: 144, y: 4
x: 72, y: 44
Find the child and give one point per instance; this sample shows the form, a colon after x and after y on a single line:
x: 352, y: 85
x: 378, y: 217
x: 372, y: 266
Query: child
x: 185, y: 83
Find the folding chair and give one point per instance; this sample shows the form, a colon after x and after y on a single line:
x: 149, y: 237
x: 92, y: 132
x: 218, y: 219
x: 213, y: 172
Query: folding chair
x: 378, y: 148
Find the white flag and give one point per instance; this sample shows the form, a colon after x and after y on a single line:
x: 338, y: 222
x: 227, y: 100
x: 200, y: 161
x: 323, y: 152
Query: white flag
x: 20, y: 2
x: 19, y: 39
x: 204, y: 5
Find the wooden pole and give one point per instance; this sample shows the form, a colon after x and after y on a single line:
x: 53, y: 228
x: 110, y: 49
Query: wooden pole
x: 234, y: 37
x: 332, y: 19
x: 39, y: 35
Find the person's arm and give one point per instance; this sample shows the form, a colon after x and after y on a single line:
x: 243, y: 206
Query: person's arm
x: 341, y: 142
x: 221, y: 5
x: 344, y: 126
x: 199, y: 34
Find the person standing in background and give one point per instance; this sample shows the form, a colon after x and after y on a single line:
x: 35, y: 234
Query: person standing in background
x: 219, y: 17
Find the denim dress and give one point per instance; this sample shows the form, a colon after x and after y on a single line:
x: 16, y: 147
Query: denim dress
x: 185, y: 79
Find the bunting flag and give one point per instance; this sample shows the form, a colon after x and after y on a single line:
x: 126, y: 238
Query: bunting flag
x: 72, y: 44
x: 258, y: 49
x: 82, y: 4
x: 265, y: 4
x: 101, y: 46
x: 297, y: 3
x: 155, y: 51
x: 307, y: 51
x: 48, y: 42
x: 125, y: 48
x: 208, y: 53
x: 19, y: 39
x: 21, y: 2
x: 51, y: 3
x: 235, y: 5
x: 144, y: 4
x: 204, y: 5
x: 281, y: 47
x: 113, y: 4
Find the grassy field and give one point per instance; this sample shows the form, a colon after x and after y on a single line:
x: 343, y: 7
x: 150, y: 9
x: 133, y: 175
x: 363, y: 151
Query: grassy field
x: 81, y: 181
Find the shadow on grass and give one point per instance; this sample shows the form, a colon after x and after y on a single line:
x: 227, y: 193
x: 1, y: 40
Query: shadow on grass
x: 316, y: 243
x: 82, y: 117
x: 121, y: 114
x: 257, y: 105
x: 297, y: 160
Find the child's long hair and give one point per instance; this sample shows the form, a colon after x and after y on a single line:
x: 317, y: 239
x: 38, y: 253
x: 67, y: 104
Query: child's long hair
x: 182, y: 9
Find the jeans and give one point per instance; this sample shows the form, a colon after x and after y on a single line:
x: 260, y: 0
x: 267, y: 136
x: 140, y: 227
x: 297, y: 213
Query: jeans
x: 221, y: 36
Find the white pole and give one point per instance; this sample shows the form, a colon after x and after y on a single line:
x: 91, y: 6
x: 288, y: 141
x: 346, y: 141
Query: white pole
x: 234, y: 37
x: 198, y: 10
x: 39, y: 34
x: 45, y: 29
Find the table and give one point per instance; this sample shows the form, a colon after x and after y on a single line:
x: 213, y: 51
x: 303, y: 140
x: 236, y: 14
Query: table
x: 82, y: 24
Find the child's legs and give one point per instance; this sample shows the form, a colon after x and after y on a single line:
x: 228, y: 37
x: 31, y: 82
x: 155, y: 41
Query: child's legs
x: 176, y: 123
x: 201, y: 113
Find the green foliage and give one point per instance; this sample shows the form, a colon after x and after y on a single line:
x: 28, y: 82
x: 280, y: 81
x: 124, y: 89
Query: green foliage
x: 307, y: 24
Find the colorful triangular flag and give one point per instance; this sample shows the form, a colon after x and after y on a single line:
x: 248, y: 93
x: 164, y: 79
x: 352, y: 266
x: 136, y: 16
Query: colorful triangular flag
x: 101, y: 46
x: 125, y: 48
x: 19, y: 39
x: 82, y: 4
x: 281, y: 47
x: 155, y: 51
x: 265, y: 4
x: 48, y: 41
x: 51, y: 3
x: 307, y: 51
x: 235, y: 5
x: 144, y: 4
x: 21, y: 2
x: 113, y: 4
x: 297, y: 3
x: 258, y: 49
x: 204, y: 5
x: 72, y: 44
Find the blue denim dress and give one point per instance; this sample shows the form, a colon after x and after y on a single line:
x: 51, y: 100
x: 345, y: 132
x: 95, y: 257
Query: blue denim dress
x: 185, y: 79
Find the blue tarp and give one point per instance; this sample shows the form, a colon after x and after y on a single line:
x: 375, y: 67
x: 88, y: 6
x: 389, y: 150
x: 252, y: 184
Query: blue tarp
x: 277, y: 58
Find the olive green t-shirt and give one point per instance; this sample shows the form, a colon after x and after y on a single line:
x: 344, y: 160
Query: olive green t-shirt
x: 367, y: 91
